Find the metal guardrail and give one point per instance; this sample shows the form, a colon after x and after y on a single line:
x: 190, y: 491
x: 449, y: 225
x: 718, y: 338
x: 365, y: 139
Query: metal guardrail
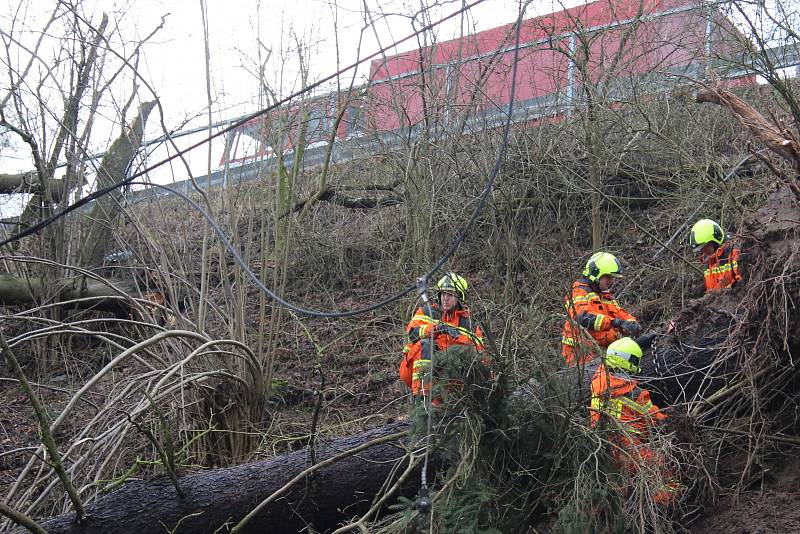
x: 754, y: 62
x: 553, y: 104
x: 354, y: 148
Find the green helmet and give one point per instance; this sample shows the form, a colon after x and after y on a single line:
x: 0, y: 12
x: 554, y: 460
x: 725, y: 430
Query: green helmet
x: 624, y: 354
x: 705, y: 231
x: 602, y: 263
x: 455, y: 284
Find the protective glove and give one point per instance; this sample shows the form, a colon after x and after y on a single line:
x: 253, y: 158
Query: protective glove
x: 586, y: 320
x: 631, y: 328
x: 451, y: 331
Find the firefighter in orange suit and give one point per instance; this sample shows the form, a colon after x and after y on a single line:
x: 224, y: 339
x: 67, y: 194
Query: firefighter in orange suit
x: 719, y: 257
x: 450, y: 324
x: 616, y: 395
x: 593, y: 312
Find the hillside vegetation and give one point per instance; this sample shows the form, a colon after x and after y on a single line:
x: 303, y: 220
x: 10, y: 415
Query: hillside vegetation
x: 218, y: 374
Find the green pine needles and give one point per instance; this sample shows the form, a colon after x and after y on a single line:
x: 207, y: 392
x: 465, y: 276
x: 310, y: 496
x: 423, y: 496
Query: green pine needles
x: 515, y: 461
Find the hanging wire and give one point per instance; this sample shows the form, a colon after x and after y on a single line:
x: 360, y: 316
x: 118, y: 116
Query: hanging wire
x: 423, y: 501
x: 127, y: 181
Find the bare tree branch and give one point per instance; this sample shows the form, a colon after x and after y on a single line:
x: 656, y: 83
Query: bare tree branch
x: 759, y: 127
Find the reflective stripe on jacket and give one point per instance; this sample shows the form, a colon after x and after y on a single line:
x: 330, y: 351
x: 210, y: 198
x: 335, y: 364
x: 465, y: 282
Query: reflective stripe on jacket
x: 722, y: 268
x: 617, y: 395
x: 591, y: 311
x: 419, y: 327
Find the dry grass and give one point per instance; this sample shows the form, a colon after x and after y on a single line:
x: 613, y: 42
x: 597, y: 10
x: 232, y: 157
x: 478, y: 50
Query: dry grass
x: 659, y: 161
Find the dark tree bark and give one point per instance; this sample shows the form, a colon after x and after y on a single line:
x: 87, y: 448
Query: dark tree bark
x: 223, y: 496
x: 336, y: 196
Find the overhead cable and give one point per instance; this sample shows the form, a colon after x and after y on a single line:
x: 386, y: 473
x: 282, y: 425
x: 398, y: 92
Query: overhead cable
x: 106, y: 190
x: 451, y: 250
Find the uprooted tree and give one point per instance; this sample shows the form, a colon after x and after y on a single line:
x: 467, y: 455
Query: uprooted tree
x: 717, y: 362
x: 164, y: 401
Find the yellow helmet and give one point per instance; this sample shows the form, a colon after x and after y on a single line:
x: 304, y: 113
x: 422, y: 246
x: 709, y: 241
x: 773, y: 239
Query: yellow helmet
x: 705, y: 231
x: 602, y: 263
x: 624, y: 354
x: 455, y: 284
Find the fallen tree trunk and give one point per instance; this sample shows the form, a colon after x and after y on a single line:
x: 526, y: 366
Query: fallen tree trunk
x: 26, y: 182
x: 113, y: 168
x: 223, y: 497
x: 79, y: 292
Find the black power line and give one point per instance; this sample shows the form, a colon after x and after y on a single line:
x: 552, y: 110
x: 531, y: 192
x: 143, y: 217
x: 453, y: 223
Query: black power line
x: 106, y: 190
x: 221, y: 234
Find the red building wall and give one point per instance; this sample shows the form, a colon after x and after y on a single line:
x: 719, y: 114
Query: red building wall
x: 624, y: 38
x: 606, y: 43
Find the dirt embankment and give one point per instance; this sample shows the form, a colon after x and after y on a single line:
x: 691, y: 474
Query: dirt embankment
x: 774, y: 506
x: 739, y: 351
x: 732, y: 335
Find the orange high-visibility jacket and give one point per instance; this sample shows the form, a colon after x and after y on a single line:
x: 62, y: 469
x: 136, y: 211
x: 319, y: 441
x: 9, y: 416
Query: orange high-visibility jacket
x: 590, y: 311
x: 419, y: 328
x: 617, y: 395
x: 722, y: 268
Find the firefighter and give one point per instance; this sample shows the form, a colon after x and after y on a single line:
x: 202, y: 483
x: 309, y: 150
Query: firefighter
x: 719, y: 257
x: 630, y: 413
x: 594, y: 312
x: 450, y: 324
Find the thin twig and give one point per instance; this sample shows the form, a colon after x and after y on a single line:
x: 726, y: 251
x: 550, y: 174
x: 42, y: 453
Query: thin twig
x: 782, y: 439
x: 21, y: 519
x: 44, y: 430
x: 725, y: 392
x: 413, y: 463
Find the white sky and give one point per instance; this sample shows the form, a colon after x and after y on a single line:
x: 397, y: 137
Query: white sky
x: 237, y: 25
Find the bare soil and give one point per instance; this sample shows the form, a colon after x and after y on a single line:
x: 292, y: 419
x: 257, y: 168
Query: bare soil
x: 355, y: 379
x: 773, y: 507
